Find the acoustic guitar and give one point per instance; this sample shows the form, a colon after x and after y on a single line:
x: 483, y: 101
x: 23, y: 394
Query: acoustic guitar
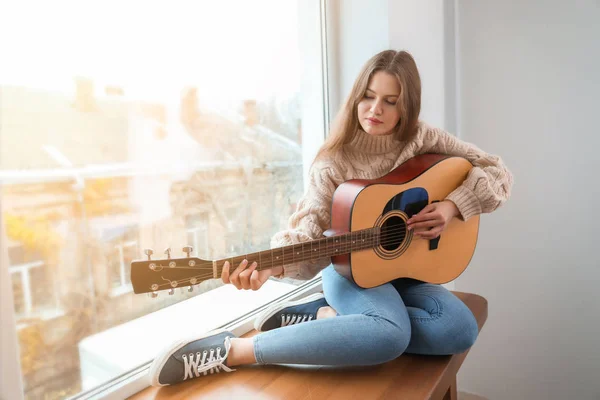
x: 368, y: 242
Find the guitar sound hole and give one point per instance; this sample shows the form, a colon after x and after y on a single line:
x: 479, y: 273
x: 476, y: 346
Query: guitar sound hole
x: 393, y: 232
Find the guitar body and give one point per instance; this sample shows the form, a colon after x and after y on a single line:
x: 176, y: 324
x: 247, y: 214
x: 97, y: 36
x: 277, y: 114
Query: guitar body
x: 387, y: 203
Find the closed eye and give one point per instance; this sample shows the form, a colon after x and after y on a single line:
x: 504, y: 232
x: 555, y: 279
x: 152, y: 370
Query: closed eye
x: 388, y: 101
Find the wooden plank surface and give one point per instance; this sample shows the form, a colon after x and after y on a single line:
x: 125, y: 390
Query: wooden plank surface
x: 407, y: 377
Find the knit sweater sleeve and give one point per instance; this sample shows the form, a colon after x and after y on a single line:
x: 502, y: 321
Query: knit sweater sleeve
x: 311, y: 218
x: 488, y: 184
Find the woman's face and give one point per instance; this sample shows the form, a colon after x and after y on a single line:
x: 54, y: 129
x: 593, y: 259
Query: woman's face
x: 377, y: 111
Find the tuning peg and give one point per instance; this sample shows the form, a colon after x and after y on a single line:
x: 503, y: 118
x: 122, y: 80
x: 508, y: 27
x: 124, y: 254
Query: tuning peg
x: 153, y: 295
x: 187, y: 250
x: 171, y: 291
x: 149, y: 253
x: 168, y: 252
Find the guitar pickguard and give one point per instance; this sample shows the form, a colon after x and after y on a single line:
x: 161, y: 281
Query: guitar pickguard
x: 410, y: 201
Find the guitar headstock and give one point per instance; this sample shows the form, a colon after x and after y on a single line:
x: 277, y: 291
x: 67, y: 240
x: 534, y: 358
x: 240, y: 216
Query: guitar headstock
x: 152, y: 276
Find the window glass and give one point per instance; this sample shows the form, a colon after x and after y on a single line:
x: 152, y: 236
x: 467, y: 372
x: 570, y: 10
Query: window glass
x: 133, y: 125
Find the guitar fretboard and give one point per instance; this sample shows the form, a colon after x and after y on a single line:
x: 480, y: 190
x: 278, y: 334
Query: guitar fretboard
x: 307, y: 251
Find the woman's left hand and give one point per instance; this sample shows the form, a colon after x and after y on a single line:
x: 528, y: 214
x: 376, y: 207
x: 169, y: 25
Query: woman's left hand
x: 433, y: 219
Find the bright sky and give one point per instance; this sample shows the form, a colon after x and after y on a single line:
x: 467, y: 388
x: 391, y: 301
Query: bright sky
x: 229, y: 48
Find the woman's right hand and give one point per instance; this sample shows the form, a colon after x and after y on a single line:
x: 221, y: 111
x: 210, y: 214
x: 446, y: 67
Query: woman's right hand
x: 248, y: 278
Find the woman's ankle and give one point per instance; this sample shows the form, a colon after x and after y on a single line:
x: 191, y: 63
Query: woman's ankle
x: 326, y: 312
x: 241, y: 352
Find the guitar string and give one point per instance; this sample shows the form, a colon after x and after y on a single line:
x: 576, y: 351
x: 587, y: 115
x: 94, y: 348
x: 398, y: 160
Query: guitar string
x: 300, y: 254
x: 202, y: 277
x: 210, y: 274
x: 390, y: 235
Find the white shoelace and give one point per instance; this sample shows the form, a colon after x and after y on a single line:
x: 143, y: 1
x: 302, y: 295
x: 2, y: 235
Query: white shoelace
x: 291, y: 319
x: 205, y: 362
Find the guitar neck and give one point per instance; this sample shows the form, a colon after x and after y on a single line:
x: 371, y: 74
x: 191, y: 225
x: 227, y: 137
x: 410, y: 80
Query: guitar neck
x: 307, y: 251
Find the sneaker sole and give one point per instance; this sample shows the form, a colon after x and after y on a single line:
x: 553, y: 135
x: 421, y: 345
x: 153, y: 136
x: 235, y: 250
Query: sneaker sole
x: 160, y: 360
x: 275, y: 308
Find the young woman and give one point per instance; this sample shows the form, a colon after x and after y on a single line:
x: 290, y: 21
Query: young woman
x: 377, y: 130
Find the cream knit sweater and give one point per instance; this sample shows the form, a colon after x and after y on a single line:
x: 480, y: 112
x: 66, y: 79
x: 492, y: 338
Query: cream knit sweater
x: 487, y: 186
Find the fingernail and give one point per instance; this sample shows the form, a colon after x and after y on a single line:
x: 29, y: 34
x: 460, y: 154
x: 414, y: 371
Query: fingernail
x: 254, y: 264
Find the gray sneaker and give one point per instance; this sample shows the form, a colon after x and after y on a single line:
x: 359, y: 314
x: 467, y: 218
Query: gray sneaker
x: 290, y: 312
x: 191, y: 358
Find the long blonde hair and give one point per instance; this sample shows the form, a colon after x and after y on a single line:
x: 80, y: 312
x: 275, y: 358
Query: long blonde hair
x: 397, y: 63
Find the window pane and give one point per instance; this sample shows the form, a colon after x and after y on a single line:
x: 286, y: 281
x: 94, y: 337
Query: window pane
x: 185, y: 127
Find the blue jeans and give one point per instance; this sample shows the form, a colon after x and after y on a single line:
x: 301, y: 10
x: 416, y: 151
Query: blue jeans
x: 373, y: 326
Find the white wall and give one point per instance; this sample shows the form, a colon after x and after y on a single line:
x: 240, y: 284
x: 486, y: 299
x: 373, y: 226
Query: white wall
x: 529, y: 87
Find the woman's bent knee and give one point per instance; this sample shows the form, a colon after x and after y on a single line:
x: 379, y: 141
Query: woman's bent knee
x: 463, y: 338
x: 468, y: 336
x: 389, y: 343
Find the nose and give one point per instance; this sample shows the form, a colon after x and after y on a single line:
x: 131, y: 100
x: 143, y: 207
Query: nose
x: 376, y: 108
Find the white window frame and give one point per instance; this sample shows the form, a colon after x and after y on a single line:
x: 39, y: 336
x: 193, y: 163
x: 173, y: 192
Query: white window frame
x: 125, y: 284
x: 315, y: 118
x: 23, y: 271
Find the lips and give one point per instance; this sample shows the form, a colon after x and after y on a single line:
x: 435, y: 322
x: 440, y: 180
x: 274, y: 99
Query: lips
x: 374, y: 121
